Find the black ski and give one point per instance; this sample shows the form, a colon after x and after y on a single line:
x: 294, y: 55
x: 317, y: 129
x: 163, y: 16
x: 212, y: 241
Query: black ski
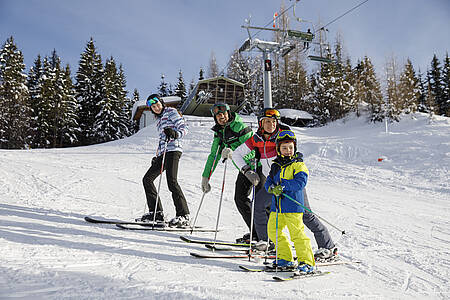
x: 112, y: 221
x: 226, y: 248
x: 300, y: 276
x: 206, y: 242
x: 166, y: 228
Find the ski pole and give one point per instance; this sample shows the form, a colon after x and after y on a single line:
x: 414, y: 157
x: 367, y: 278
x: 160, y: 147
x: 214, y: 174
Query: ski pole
x: 204, y: 193
x: 251, y: 222
x: 290, y: 198
x: 159, y: 185
x: 276, y: 238
x: 220, y: 204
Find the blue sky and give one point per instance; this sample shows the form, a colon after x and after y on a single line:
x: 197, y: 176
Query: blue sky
x: 150, y: 37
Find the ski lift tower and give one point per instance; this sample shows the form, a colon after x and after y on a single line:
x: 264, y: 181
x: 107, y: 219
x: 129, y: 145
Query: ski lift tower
x: 266, y: 48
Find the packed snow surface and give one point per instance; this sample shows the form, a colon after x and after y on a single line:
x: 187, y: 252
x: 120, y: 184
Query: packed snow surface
x: 390, y: 192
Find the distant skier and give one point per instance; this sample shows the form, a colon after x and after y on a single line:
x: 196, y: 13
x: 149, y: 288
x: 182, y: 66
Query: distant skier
x: 172, y: 128
x: 306, y: 43
x: 288, y: 176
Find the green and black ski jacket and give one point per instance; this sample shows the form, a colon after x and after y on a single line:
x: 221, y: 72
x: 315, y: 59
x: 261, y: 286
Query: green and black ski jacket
x: 232, y: 135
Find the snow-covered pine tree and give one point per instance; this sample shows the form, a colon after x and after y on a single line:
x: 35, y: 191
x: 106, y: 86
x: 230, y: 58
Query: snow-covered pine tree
x: 134, y: 124
x: 446, y: 86
x: 14, y: 106
x: 435, y: 82
x: 247, y: 70
x: 393, y: 104
x: 180, y: 89
x: 342, y: 91
x: 297, y: 85
x: 369, y: 90
x: 34, y: 84
x: 89, y: 91
x: 409, y: 89
x: 239, y: 70
x: 126, y: 104
x: 422, y: 104
x: 163, y: 88
x: 47, y: 113
x: 256, y: 99
x: 213, y: 68
x: 69, y: 128
x: 62, y: 118
x: 320, y: 98
x: 108, y: 125
x: 349, y: 103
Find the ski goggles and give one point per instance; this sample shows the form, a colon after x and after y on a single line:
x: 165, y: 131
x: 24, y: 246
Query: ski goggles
x: 220, y: 108
x: 270, y: 113
x: 286, y: 134
x: 152, y: 101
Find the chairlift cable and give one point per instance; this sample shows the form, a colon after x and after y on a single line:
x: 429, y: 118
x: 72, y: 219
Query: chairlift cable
x: 348, y: 11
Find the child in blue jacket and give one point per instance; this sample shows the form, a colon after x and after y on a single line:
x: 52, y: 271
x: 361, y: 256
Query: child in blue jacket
x: 288, y: 176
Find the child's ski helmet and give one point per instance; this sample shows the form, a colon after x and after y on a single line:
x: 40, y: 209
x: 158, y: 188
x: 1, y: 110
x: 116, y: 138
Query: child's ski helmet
x: 286, y: 136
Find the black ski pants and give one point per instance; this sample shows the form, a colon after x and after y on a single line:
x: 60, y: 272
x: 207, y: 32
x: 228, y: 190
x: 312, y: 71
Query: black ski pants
x: 243, y: 189
x: 171, y: 167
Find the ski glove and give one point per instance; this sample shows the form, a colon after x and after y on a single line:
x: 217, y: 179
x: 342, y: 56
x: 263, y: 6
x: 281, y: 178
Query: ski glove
x: 227, y: 153
x: 251, y: 175
x: 276, y: 190
x: 170, y: 133
x: 206, y: 187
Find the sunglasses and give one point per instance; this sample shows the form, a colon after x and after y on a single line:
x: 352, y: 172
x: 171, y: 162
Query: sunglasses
x: 271, y: 113
x: 285, y: 133
x: 219, y: 109
x: 152, y: 101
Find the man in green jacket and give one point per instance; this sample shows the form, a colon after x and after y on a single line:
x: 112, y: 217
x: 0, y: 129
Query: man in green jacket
x: 229, y: 133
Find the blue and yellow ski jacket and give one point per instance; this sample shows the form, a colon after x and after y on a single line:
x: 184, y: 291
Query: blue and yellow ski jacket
x: 292, y: 174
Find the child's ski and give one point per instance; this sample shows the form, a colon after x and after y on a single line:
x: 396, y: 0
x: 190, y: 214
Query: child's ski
x: 213, y: 255
x: 300, y: 276
x: 319, y: 264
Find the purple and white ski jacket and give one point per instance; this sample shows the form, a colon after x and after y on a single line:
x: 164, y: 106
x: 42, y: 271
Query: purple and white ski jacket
x: 171, y: 118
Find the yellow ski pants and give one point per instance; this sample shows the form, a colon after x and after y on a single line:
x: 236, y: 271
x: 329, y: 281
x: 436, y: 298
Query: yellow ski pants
x: 302, y: 243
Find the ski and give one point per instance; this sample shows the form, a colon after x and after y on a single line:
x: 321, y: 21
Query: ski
x: 213, y: 255
x: 226, y: 248
x: 319, y: 264
x: 300, y: 276
x: 165, y: 228
x: 112, y: 221
x: 205, y: 242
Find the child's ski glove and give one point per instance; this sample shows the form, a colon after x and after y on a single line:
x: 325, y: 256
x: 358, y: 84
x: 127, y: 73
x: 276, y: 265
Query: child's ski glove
x: 276, y: 190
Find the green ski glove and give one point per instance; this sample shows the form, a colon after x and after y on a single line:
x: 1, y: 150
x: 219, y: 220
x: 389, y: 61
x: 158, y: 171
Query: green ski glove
x: 276, y: 190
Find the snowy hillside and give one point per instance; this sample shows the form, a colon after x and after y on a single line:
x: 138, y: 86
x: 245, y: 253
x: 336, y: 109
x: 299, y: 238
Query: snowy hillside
x: 396, y: 213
